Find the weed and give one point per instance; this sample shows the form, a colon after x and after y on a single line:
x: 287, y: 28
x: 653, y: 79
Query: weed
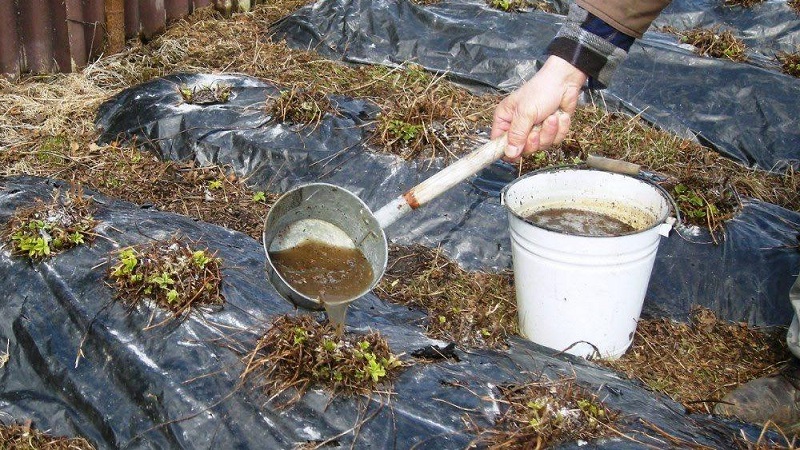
x: 547, y: 413
x: 297, y: 351
x: 172, y: 273
x: 712, y: 42
x: 46, y: 229
x: 508, y: 5
x: 213, y: 185
x: 260, y: 196
x: 403, y: 131
x: 692, y: 204
x: 53, y: 149
x: 205, y: 95
x: 301, y: 107
x: 790, y: 63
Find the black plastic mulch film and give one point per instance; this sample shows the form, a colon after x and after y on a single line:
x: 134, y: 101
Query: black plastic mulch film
x: 81, y: 364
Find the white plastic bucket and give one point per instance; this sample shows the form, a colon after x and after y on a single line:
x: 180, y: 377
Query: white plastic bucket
x: 583, y: 294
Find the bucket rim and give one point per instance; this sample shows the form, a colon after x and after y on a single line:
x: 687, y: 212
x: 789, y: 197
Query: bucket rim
x: 547, y: 170
x: 316, y: 302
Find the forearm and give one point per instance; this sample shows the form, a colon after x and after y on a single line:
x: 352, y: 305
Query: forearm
x: 630, y: 17
x: 598, y: 45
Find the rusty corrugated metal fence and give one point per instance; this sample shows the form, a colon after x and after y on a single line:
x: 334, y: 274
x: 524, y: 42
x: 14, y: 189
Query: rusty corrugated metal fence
x: 45, y: 36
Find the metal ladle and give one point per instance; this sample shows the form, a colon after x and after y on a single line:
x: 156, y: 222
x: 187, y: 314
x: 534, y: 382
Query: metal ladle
x: 333, y: 215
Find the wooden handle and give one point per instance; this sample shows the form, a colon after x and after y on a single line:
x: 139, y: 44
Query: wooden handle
x: 456, y: 172
x: 613, y: 165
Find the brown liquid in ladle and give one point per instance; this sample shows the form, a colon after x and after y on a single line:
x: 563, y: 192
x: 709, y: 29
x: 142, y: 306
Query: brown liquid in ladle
x: 324, y: 272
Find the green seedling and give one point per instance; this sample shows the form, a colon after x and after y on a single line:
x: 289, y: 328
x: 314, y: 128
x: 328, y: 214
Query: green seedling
x: 214, y: 185
x: 201, y: 258
x: 594, y: 412
x: 298, y: 351
x: 46, y: 229
x: 205, y: 95
x: 260, y: 196
x: 173, y: 274
x: 508, y: 5
x: 692, y: 204
x: 548, y: 413
x: 403, y: 131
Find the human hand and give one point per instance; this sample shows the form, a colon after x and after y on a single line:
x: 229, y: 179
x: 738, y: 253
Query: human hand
x: 537, y: 115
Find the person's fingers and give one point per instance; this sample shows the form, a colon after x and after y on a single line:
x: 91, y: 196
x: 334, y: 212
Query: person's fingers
x: 532, y: 144
x: 564, y: 122
x: 549, y: 131
x: 569, y: 100
x: 518, y: 132
x: 503, y: 114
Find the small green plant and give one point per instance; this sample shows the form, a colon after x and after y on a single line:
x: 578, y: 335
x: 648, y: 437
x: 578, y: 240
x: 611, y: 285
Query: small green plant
x: 548, y: 413
x: 593, y: 411
x: 503, y: 5
x: 260, y: 196
x: 53, y: 149
x: 170, y: 272
x: 201, y: 258
x: 46, y: 229
x: 403, y: 131
x: 692, y: 204
x: 517, y: 5
x: 299, y: 351
x: 205, y: 95
x: 214, y: 185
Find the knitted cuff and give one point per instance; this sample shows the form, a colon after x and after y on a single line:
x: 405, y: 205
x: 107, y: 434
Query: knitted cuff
x: 591, y: 45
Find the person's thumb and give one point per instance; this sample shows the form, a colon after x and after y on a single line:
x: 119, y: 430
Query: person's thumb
x: 518, y: 133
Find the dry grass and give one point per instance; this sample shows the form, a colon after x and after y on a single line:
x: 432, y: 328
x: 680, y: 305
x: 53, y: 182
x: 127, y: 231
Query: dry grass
x: 544, y: 414
x: 697, y: 363
x: 176, y: 275
x: 713, y: 42
x: 468, y: 308
x: 298, y: 352
x: 743, y: 3
x: 794, y: 4
x: 790, y: 63
x: 211, y: 194
x: 24, y: 437
x: 425, y: 115
x: 426, y: 2
x: 300, y: 107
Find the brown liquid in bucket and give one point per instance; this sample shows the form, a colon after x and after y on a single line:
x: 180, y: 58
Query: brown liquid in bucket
x: 579, y: 222
x: 325, y: 272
